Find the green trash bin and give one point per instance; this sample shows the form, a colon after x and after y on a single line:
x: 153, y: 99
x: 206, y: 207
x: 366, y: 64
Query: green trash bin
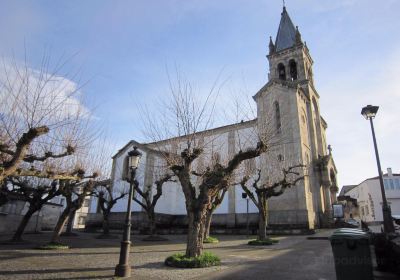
x: 352, y: 254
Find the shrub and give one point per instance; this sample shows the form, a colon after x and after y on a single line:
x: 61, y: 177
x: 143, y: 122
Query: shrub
x: 53, y: 246
x: 264, y: 242
x: 205, y: 260
x: 210, y: 240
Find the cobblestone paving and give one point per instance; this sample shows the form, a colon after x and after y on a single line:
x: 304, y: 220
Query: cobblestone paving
x: 91, y: 258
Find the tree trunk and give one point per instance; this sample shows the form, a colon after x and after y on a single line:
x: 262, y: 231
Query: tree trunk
x: 106, y: 222
x: 22, y: 225
x: 60, y: 225
x: 208, y: 224
x: 195, y: 235
x: 262, y: 219
x: 262, y: 227
x: 152, y: 220
x: 70, y: 225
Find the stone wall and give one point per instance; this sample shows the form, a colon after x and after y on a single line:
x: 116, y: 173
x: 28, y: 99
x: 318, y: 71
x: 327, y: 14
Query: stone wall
x: 221, y: 223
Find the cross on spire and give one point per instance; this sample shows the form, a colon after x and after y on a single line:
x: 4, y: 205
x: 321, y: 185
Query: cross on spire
x: 330, y: 149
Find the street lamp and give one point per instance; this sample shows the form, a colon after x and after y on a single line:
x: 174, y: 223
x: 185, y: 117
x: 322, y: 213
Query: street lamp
x: 245, y: 196
x: 123, y: 269
x: 369, y: 112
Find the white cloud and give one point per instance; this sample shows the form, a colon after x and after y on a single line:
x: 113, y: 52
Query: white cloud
x: 39, y: 97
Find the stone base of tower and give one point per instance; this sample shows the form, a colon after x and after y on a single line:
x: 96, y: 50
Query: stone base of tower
x: 326, y: 220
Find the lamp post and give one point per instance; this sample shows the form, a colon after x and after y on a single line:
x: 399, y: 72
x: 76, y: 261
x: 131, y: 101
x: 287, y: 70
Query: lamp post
x: 245, y: 196
x: 123, y: 269
x: 369, y: 112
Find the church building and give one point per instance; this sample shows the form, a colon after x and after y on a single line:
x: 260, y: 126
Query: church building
x: 288, y: 107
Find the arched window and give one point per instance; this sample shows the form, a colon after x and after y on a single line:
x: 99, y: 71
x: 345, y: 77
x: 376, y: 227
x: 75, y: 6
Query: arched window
x: 277, y: 116
x: 216, y: 158
x: 293, y: 69
x: 281, y: 71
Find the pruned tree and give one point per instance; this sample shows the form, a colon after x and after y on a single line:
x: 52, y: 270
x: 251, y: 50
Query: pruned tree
x: 181, y: 125
x: 107, y: 198
x: 260, y: 191
x: 91, y: 166
x: 36, y: 193
x: 41, y: 119
x: 75, y: 193
x: 148, y: 201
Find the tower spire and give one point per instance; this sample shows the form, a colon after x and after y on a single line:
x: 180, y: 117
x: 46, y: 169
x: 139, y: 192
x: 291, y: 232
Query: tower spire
x: 286, y: 37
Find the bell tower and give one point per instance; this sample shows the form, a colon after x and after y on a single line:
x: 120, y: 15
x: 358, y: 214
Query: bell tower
x: 288, y: 110
x: 289, y: 58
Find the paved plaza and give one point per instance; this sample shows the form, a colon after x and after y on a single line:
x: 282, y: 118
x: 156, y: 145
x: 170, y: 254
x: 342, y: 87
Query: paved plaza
x: 294, y: 257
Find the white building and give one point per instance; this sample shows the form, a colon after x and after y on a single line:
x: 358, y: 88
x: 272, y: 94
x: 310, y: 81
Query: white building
x: 369, y: 197
x: 287, y: 104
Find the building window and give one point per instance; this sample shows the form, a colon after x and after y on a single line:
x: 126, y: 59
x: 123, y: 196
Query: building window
x: 216, y: 158
x: 293, y: 69
x: 386, y: 184
x: 397, y: 183
x: 277, y: 116
x: 281, y: 71
x: 391, y: 184
x: 280, y: 157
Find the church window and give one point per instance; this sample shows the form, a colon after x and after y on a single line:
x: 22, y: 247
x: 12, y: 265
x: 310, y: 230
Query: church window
x: 281, y: 71
x: 216, y: 158
x: 277, y: 116
x: 293, y: 69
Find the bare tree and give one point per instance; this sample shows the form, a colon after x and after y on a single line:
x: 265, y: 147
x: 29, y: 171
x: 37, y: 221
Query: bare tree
x: 75, y: 193
x: 149, y: 202
x: 36, y: 193
x: 259, y: 192
x: 41, y: 119
x: 92, y: 161
x: 186, y: 118
x: 107, y: 198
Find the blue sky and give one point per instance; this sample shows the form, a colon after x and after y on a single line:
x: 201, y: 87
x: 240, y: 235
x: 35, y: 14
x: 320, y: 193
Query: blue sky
x: 124, y: 47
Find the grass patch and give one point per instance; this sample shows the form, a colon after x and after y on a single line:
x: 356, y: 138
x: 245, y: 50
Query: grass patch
x: 53, y: 246
x: 265, y: 242
x: 204, y: 260
x: 210, y: 240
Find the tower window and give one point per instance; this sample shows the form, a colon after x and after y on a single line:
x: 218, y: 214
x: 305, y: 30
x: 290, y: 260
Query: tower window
x: 293, y: 69
x: 277, y: 116
x: 281, y: 71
